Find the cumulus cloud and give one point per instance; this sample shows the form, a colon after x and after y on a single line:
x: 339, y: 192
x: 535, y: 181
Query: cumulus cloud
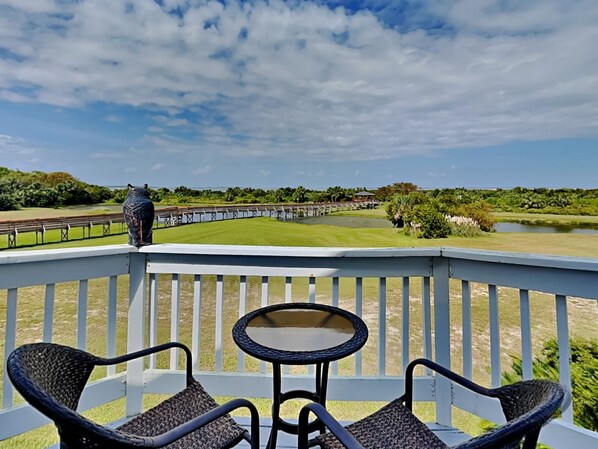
x: 300, y: 79
x: 158, y: 166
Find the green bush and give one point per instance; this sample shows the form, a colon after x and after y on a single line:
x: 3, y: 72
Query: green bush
x: 426, y: 221
x: 584, y: 376
x: 479, y: 211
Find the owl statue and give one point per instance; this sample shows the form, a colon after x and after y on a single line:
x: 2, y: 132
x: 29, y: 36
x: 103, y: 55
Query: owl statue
x: 139, y: 215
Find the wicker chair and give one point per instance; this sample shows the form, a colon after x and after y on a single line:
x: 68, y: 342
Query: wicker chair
x: 527, y: 406
x: 52, y: 377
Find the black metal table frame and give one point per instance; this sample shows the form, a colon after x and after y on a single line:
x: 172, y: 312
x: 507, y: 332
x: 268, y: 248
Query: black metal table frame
x: 320, y: 358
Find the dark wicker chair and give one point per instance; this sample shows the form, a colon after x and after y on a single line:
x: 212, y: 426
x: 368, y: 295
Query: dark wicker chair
x: 52, y: 377
x: 527, y: 406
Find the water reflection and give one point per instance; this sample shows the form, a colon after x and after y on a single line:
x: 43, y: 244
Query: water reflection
x: 370, y: 222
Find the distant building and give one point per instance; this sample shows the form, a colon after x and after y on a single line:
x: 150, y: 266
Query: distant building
x: 361, y: 196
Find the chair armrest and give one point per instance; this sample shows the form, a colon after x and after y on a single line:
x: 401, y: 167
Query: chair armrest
x: 200, y: 421
x: 328, y: 420
x: 152, y: 350
x: 408, y: 396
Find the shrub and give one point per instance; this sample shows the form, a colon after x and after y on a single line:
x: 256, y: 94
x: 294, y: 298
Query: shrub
x: 463, y: 226
x: 432, y: 224
x: 584, y: 376
x: 480, y: 212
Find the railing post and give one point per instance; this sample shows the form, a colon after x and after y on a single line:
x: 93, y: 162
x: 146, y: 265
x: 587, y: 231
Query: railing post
x: 135, y: 332
x: 442, y: 333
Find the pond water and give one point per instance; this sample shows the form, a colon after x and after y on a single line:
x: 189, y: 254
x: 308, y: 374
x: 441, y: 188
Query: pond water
x: 551, y: 229
x: 367, y: 222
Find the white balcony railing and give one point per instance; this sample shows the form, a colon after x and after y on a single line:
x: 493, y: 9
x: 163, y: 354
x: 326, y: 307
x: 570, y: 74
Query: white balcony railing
x: 469, y: 310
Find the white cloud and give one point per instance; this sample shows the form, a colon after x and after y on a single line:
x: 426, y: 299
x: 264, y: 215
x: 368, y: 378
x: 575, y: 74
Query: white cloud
x: 106, y: 155
x: 265, y: 172
x: 273, y: 79
x: 177, y: 122
x: 203, y: 170
x: 158, y: 166
x: 113, y: 118
x: 12, y: 147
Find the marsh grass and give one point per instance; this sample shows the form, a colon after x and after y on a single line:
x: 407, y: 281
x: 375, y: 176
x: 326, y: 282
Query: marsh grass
x: 582, y: 313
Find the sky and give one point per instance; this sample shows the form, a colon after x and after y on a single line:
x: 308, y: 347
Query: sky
x: 445, y: 93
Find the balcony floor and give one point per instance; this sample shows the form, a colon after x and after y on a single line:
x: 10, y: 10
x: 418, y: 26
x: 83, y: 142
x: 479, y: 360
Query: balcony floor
x: 449, y: 435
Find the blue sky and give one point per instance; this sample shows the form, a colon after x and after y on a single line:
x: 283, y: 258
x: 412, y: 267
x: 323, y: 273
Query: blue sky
x: 459, y: 93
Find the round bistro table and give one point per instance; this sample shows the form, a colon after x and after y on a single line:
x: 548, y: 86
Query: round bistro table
x: 299, y: 334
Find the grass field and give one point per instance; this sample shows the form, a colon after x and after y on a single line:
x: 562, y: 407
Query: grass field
x: 271, y: 232
x: 265, y: 231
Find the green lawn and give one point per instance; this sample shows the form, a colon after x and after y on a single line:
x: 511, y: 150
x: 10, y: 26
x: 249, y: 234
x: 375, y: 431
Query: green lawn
x: 271, y: 232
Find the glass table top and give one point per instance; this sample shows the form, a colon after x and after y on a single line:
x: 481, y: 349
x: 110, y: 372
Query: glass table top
x: 300, y: 330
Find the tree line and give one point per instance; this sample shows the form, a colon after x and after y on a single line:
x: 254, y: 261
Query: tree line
x: 56, y: 189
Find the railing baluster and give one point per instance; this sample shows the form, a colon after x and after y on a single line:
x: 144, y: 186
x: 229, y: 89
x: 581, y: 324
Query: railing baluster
x: 494, y: 335
x: 242, y: 311
x: 562, y: 326
x: 219, y: 320
x: 196, y: 322
x: 82, y: 316
x: 426, y: 317
x: 526, y: 335
x: 174, y: 319
x: 466, y: 323
x: 335, y: 288
x: 335, y: 291
x: 10, y: 339
x: 312, y: 299
x: 111, y: 325
x: 405, y: 324
x: 382, y: 327
x: 359, y: 313
x: 153, y: 317
x: 288, y: 289
x: 49, y: 312
x: 264, y: 303
x: 264, y: 297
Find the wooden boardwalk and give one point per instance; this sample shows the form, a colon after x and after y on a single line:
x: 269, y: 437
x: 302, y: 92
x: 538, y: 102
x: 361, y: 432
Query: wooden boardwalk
x: 166, y: 217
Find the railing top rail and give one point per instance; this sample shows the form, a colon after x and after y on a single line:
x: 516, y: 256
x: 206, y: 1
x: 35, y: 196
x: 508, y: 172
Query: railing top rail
x: 288, y: 251
x: 538, y: 260
x: 46, y: 255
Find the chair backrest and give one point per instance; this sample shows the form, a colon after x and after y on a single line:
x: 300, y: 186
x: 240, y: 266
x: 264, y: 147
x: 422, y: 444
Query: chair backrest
x: 527, y: 406
x: 51, y: 378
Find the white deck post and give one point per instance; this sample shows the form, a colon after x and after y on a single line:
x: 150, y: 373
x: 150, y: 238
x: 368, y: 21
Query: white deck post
x: 442, y: 339
x: 135, y: 332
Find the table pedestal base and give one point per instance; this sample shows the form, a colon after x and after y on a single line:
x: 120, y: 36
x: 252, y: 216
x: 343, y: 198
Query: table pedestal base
x: 318, y: 396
